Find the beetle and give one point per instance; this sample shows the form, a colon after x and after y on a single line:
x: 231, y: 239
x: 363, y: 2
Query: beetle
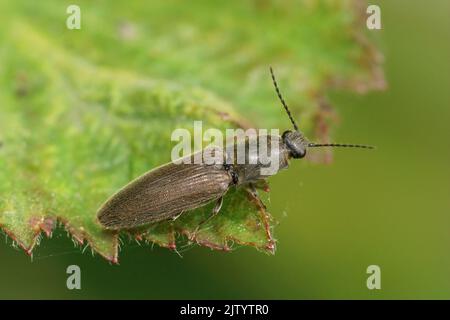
x: 172, y: 189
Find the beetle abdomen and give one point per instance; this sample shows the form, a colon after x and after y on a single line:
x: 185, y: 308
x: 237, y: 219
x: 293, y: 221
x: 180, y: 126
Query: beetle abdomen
x: 163, y: 193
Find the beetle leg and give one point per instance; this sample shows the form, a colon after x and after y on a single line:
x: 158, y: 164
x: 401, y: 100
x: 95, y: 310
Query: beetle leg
x: 251, y: 189
x: 177, y: 216
x: 262, y: 184
x: 215, y: 211
x: 217, y: 207
x: 234, y: 176
x: 265, y: 217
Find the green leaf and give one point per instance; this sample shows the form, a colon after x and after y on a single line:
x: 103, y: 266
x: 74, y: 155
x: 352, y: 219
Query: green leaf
x: 83, y: 112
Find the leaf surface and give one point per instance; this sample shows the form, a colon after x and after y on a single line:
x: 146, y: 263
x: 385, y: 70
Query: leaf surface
x: 83, y: 112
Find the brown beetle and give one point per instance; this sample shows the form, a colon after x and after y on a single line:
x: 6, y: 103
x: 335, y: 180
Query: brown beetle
x: 172, y: 189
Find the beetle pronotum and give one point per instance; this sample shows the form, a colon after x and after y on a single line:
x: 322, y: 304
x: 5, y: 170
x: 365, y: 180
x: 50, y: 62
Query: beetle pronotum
x: 172, y: 189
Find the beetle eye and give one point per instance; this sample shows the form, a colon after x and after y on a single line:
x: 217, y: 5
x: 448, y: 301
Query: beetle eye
x: 302, y: 153
x: 298, y: 154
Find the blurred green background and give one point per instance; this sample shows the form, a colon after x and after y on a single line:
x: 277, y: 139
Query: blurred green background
x: 389, y: 207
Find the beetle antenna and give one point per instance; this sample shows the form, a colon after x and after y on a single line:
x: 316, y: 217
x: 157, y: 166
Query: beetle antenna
x: 341, y: 145
x: 282, y: 100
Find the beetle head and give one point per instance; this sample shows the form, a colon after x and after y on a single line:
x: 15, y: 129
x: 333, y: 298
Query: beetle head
x: 295, y: 141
